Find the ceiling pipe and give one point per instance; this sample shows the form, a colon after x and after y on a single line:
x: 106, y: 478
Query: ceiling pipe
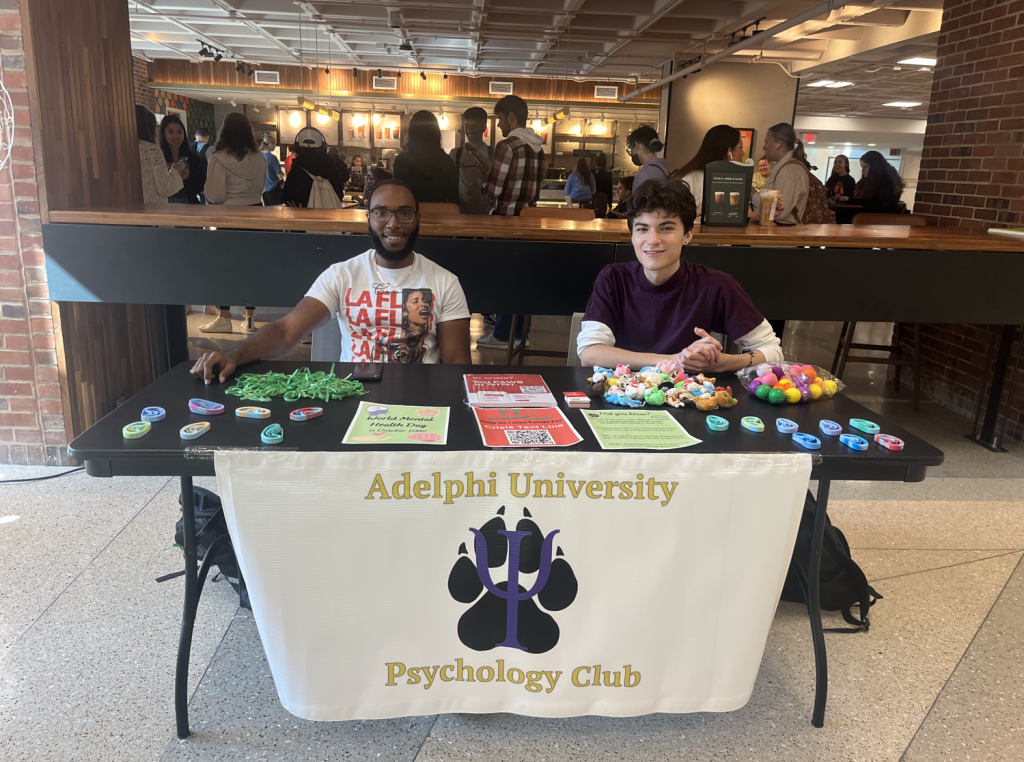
x: 749, y: 42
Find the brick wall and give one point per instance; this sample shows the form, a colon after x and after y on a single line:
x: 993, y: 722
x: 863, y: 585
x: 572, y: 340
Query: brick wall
x: 31, y: 414
x: 144, y: 94
x: 972, y: 175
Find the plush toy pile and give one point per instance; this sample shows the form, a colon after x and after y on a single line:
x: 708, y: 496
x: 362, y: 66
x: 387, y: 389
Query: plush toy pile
x: 665, y: 384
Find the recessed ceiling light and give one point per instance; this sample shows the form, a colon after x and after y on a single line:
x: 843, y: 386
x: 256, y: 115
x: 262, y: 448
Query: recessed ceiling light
x: 831, y: 148
x: 919, y: 61
x: 872, y: 145
x: 838, y: 84
x: 821, y: 83
x: 902, y: 104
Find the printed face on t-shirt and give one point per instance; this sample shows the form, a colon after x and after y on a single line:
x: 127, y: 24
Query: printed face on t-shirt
x: 658, y: 242
x: 388, y: 325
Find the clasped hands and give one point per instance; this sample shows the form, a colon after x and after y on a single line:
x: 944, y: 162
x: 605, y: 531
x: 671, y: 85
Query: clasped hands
x: 702, y: 355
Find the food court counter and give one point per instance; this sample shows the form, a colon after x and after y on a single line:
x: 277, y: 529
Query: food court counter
x: 283, y: 218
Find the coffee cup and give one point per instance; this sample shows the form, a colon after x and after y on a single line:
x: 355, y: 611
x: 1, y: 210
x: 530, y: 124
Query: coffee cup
x: 734, y: 198
x: 719, y: 197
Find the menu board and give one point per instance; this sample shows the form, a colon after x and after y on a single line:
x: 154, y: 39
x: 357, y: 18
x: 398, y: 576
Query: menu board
x: 355, y: 130
x: 727, y: 189
x: 387, y: 131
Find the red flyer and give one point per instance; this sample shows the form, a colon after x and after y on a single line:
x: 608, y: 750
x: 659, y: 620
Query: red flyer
x: 508, y: 391
x: 525, y: 427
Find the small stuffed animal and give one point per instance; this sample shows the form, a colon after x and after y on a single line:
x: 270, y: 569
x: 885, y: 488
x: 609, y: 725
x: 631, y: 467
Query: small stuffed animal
x: 621, y: 370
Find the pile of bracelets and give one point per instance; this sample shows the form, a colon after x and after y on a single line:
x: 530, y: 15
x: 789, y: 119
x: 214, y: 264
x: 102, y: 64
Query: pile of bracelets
x: 302, y: 384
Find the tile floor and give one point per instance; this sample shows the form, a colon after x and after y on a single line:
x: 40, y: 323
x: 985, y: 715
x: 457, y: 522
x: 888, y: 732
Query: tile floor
x: 87, y: 637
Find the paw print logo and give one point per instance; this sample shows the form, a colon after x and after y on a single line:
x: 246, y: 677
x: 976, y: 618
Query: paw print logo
x: 507, y: 614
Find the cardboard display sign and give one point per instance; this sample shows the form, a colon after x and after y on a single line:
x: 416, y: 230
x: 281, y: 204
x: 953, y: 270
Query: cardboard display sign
x: 727, y: 189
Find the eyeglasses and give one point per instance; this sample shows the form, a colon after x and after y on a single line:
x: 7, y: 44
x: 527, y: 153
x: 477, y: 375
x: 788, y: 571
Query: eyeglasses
x: 383, y: 215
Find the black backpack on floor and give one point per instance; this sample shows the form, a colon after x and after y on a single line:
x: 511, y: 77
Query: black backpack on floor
x: 210, y: 524
x: 843, y: 583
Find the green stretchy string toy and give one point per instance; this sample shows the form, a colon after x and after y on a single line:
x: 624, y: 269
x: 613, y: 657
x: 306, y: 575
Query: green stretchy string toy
x: 302, y: 384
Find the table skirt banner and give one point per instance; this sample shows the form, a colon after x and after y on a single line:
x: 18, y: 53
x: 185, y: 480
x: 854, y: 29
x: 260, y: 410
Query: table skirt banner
x: 551, y: 584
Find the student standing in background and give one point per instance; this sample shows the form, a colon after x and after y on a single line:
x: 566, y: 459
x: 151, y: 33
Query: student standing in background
x: 158, y: 182
x: 472, y: 199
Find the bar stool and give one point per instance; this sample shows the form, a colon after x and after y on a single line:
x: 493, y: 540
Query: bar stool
x: 846, y: 343
x: 895, y: 348
x: 547, y: 212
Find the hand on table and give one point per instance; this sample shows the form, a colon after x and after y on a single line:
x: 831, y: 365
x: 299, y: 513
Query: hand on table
x: 702, y: 355
x: 210, y: 363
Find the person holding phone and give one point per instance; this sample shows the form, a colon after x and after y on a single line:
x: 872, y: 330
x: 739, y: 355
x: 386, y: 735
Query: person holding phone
x: 392, y: 304
x: 179, y: 155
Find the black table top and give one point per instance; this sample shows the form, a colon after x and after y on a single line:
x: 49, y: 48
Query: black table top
x: 162, y: 452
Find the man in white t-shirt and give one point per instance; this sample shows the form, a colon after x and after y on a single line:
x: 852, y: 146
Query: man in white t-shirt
x: 392, y: 304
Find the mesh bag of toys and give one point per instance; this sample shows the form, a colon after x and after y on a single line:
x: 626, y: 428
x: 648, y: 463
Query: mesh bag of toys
x: 789, y: 382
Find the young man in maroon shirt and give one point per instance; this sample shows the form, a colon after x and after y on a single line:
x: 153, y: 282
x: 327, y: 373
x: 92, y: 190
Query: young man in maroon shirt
x: 662, y: 307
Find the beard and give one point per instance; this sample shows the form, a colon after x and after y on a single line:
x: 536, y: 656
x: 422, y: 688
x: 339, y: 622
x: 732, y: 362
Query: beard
x: 394, y: 256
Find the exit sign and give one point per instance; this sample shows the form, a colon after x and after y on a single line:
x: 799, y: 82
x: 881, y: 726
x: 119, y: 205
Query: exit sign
x: 810, y: 137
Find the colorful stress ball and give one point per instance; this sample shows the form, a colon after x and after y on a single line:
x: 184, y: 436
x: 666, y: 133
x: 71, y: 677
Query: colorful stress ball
x: 784, y: 383
x: 769, y: 379
x: 777, y: 396
x: 754, y: 384
x: 830, y: 388
x: 777, y: 370
x: 763, y: 392
x: 805, y: 393
x: 763, y: 368
x: 816, y: 391
x: 792, y: 395
x: 811, y: 372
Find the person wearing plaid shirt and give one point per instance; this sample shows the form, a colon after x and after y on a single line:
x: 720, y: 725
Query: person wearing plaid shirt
x: 515, y: 174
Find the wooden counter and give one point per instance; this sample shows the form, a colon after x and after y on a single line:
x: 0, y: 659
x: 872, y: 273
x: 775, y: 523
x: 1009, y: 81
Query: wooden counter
x: 597, y: 231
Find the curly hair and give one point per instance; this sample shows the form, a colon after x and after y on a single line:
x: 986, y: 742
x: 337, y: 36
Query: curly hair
x: 670, y: 197
x: 236, y: 136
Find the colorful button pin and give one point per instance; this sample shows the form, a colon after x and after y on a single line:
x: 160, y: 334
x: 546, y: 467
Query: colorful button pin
x: 136, y: 430
x: 830, y: 428
x: 752, y: 423
x: 306, y: 413
x: 889, y: 442
x: 152, y: 414
x: 194, y: 430
x: 786, y: 426
x: 205, y: 407
x: 809, y: 441
x: 252, y: 412
x: 273, y: 434
x: 866, y: 426
x: 853, y: 441
x: 717, y: 423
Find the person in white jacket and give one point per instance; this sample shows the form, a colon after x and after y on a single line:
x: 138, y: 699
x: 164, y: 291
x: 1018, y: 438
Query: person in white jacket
x: 235, y: 176
x: 159, y: 181
x: 237, y: 170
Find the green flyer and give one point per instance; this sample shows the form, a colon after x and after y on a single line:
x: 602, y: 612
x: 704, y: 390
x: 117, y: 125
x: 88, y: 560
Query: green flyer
x: 638, y: 430
x: 375, y: 423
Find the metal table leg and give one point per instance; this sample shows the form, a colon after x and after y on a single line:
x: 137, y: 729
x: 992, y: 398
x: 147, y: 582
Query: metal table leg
x: 814, y: 607
x: 188, y: 616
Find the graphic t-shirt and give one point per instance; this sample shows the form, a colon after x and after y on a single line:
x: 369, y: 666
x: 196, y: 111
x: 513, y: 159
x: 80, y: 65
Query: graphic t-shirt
x: 390, y: 315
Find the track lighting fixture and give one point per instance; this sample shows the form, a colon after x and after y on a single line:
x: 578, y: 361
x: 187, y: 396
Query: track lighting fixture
x: 240, y: 67
x: 446, y: 75
x: 399, y: 75
x: 217, y: 57
x: 423, y: 75
x: 380, y: 72
x: 355, y: 72
x: 327, y: 70
x: 233, y: 103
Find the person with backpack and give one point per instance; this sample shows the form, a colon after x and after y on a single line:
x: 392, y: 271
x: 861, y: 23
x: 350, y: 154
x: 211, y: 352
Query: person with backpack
x: 424, y: 166
x: 316, y: 180
x: 791, y: 174
x: 472, y: 199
